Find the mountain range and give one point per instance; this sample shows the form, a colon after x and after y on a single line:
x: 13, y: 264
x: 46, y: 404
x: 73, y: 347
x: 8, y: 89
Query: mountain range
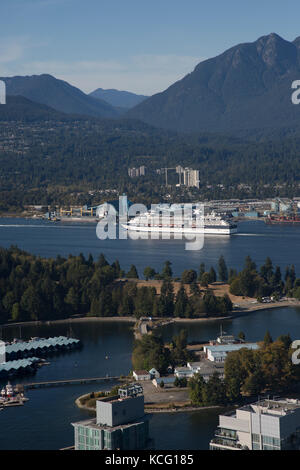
x: 118, y: 98
x: 245, y: 90
x: 246, y: 87
x: 58, y: 94
x: 19, y: 108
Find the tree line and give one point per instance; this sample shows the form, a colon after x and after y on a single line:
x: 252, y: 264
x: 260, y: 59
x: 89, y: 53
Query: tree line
x: 265, y: 281
x: 34, y: 288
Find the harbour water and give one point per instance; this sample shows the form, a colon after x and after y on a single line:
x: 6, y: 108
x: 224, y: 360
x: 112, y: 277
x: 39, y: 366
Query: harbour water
x: 255, y: 238
x: 44, y: 421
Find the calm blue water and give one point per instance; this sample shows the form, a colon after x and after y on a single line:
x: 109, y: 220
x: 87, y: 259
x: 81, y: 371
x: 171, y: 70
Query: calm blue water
x: 256, y: 238
x: 44, y: 422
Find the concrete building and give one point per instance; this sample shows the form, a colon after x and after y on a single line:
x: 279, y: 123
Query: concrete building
x: 142, y: 170
x: 264, y: 425
x: 187, y: 176
x: 191, y: 177
x: 136, y: 172
x: 119, y: 424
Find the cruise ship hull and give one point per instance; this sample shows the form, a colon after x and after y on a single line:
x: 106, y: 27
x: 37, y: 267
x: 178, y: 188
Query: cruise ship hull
x: 206, y: 230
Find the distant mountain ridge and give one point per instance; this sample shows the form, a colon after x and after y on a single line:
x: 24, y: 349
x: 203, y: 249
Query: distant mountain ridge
x: 58, y: 94
x: 246, y: 87
x: 118, y: 98
x: 19, y: 108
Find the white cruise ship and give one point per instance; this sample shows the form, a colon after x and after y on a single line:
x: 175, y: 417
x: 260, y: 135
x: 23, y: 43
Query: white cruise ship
x: 210, y: 224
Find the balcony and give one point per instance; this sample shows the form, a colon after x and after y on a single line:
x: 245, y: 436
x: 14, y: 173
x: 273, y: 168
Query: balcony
x: 226, y: 443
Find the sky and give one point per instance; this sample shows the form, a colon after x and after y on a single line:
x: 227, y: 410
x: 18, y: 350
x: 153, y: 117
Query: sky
x: 135, y: 45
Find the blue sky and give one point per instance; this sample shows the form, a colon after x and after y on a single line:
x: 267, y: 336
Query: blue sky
x: 140, y: 46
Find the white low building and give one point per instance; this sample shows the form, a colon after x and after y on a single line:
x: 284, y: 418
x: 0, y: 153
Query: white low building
x: 183, y: 372
x: 168, y: 381
x: 207, y: 369
x: 141, y: 375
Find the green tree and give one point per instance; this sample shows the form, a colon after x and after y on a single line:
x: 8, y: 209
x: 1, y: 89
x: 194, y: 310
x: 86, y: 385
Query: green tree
x: 212, y: 275
x: 73, y: 300
x: 132, y: 273
x: 181, y: 303
x: 205, y: 279
x: 149, y: 273
x: 201, y: 271
x: 267, y: 338
x: 167, y: 271
x: 188, y: 276
x: 16, y: 312
x: 222, y: 269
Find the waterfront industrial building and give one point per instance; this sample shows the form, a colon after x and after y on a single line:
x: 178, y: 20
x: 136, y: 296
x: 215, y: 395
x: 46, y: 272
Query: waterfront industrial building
x: 218, y: 352
x: 213, y: 361
x: 263, y: 425
x: 120, y: 423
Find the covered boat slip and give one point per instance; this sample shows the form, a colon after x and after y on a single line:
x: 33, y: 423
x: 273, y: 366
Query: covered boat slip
x: 39, y: 346
x: 18, y: 367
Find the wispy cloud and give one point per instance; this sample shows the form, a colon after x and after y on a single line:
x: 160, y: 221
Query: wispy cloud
x: 147, y: 73
x: 144, y: 73
x: 11, y: 50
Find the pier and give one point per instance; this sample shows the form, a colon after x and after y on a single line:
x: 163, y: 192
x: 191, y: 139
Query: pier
x: 62, y: 383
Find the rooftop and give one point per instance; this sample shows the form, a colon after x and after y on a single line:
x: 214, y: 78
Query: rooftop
x: 19, y: 364
x: 91, y: 423
x: 275, y: 407
x: 231, y: 347
x: 36, y: 343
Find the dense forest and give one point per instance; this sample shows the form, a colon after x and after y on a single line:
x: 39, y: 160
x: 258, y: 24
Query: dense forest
x: 70, y: 161
x: 267, y: 281
x: 33, y: 288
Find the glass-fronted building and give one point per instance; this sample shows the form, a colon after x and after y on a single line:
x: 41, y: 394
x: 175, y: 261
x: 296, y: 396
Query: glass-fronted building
x: 90, y: 436
x: 120, y: 423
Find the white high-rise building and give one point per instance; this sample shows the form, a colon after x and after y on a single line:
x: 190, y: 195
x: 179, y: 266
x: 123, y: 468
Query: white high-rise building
x: 263, y: 425
x: 190, y: 177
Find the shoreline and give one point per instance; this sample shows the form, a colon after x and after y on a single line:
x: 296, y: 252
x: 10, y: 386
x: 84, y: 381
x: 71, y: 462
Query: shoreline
x: 150, y: 410
x: 235, y: 314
